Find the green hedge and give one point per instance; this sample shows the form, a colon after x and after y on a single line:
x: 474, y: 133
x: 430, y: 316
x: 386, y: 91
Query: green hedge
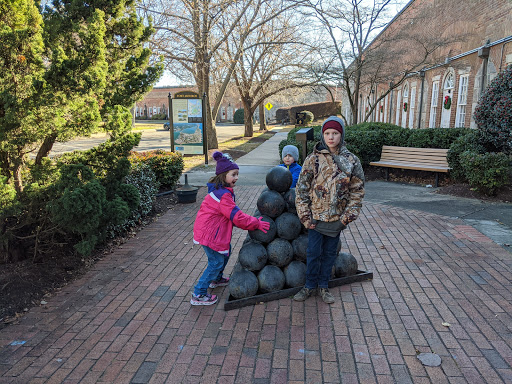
x: 487, y: 172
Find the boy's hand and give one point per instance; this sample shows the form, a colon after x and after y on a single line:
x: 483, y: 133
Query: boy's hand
x: 263, y: 226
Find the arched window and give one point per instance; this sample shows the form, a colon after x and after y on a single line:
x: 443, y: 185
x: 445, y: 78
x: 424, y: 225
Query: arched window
x: 406, y: 91
x: 448, y: 82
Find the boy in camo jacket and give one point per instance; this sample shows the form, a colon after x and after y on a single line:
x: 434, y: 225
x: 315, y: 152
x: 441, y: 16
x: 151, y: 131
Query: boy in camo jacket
x: 329, y: 195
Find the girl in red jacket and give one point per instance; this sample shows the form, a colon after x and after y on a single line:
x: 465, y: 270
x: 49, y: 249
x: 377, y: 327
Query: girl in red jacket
x: 214, y: 224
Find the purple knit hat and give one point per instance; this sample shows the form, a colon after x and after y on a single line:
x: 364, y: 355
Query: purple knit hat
x: 224, y: 162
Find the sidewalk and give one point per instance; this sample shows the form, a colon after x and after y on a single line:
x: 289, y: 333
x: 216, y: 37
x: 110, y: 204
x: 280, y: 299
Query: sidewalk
x: 439, y: 286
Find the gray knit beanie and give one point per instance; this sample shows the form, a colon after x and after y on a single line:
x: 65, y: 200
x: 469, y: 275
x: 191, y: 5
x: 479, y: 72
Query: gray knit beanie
x: 292, y: 151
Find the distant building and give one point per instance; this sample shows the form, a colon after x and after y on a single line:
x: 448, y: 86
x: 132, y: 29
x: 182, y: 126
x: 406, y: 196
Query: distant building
x: 156, y: 102
x: 445, y: 94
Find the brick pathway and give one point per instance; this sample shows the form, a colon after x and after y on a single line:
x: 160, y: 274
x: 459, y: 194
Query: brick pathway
x: 129, y: 319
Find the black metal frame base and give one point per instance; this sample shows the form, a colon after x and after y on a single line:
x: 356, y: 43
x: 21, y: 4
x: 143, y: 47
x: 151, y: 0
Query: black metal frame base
x: 232, y: 303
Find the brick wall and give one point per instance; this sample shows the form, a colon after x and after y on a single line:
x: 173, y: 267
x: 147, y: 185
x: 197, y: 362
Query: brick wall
x: 463, y: 26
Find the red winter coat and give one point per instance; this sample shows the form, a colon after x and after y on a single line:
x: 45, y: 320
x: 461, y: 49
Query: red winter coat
x: 215, y: 219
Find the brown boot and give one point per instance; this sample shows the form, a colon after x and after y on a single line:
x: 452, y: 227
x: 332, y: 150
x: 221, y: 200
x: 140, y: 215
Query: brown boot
x: 327, y: 296
x: 303, y: 294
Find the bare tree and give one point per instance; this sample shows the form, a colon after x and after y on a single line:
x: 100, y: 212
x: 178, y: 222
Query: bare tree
x: 355, y: 59
x: 274, y: 59
x: 191, y: 35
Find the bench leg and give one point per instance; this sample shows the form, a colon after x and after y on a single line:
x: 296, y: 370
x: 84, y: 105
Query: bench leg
x: 437, y: 179
x: 387, y: 174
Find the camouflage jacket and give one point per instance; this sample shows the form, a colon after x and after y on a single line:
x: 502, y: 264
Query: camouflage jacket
x: 327, y: 191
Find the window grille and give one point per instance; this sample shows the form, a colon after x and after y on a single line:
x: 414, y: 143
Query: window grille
x: 433, y: 104
x: 412, y: 107
x: 461, y: 102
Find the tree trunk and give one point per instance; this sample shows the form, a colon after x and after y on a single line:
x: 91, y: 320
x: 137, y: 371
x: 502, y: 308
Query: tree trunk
x: 4, y: 165
x: 45, y: 148
x: 248, y: 111
x: 211, y: 133
x: 18, y: 180
x: 263, y: 123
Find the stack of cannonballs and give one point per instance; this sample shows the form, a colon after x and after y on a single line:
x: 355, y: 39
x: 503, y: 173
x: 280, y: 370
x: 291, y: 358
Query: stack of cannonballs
x: 272, y: 261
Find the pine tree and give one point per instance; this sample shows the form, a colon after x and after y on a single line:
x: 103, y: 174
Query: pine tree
x: 21, y: 69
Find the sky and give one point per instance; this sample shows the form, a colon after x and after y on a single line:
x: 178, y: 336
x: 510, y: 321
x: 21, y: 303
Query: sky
x: 168, y: 79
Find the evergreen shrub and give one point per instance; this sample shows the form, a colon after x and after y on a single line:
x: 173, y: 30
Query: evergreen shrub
x: 486, y: 172
x: 309, y: 117
x: 167, y: 166
x: 467, y: 142
x: 238, y: 117
x: 493, y: 115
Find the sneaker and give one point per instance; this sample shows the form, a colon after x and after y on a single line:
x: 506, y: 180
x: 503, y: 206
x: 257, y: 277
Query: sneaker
x: 303, y: 294
x: 203, y: 299
x: 327, y: 296
x: 221, y: 283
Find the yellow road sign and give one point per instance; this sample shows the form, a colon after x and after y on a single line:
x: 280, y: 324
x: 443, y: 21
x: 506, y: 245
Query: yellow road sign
x: 268, y: 106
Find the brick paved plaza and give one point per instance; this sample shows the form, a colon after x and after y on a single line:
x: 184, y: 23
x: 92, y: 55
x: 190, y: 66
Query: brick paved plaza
x: 129, y: 320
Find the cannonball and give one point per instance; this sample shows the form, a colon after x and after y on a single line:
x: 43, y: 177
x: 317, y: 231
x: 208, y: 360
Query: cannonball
x: 263, y: 237
x: 280, y: 252
x: 288, y: 226
x: 237, y: 267
x: 345, y: 265
x: 271, y: 279
x: 279, y: 179
x: 271, y: 203
x: 300, y: 248
x: 289, y: 199
x: 253, y: 256
x: 243, y: 284
x: 295, y: 274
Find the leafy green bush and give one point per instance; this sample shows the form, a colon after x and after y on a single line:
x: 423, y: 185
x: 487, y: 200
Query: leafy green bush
x: 143, y: 179
x: 486, y: 172
x: 7, y: 194
x: 83, y: 208
x: 71, y: 201
x: 238, y: 117
x: 119, y: 122
x: 366, y: 144
x: 467, y: 142
x: 309, y: 117
x: 167, y: 166
x: 434, y: 137
x: 493, y: 115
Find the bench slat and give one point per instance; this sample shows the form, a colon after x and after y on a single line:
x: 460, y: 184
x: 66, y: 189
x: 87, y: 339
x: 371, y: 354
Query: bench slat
x: 422, y: 159
x: 413, y: 149
x: 416, y: 159
x: 415, y: 166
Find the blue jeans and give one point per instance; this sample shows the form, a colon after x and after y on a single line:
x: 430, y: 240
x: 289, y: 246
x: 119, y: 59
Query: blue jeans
x: 213, y: 272
x: 321, y: 255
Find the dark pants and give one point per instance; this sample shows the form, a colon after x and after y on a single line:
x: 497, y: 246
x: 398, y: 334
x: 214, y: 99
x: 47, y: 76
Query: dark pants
x: 321, y: 255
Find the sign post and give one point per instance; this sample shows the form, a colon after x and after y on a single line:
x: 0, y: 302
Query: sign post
x: 188, y: 123
x: 170, y: 122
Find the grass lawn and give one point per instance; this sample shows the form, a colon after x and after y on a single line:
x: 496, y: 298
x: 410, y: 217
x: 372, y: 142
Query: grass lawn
x: 236, y: 147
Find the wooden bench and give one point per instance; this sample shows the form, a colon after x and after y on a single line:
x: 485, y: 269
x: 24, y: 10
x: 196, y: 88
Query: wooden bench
x: 422, y: 159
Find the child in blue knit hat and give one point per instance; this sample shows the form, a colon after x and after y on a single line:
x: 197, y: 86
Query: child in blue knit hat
x: 290, y: 155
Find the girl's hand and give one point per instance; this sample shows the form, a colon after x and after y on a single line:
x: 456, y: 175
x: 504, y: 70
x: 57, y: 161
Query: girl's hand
x: 263, y: 226
x: 312, y: 226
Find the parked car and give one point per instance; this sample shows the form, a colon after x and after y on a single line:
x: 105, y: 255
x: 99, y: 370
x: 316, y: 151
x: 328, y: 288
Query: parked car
x: 167, y: 126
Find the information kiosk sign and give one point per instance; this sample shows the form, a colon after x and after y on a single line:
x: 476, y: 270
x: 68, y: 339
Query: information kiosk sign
x: 187, y: 119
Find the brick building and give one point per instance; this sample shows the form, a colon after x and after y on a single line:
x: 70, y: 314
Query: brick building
x: 444, y: 92
x: 156, y: 101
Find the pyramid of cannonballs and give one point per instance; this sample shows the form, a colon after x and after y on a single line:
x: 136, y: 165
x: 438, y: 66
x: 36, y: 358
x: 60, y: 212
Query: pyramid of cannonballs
x: 272, y: 261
